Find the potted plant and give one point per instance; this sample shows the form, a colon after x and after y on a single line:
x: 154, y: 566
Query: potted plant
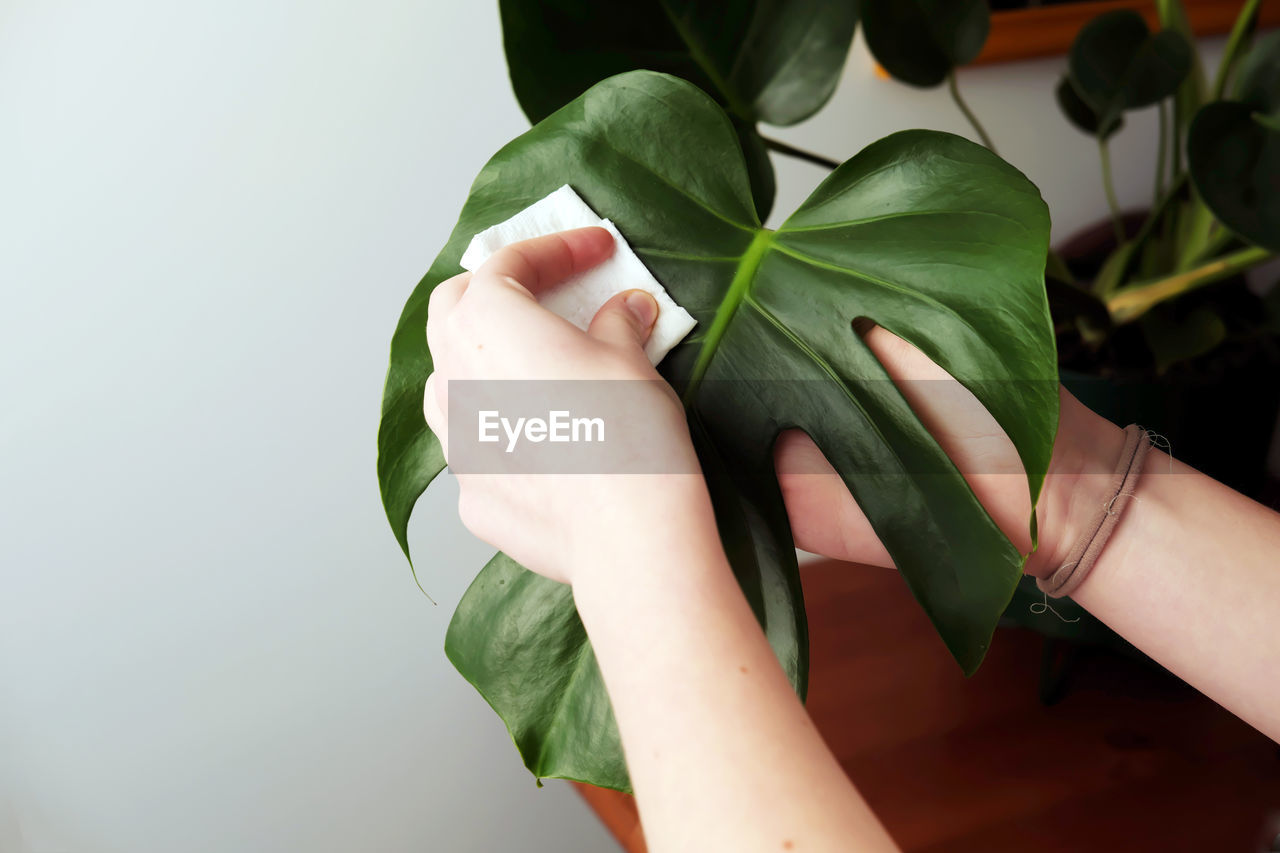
x: 652, y: 111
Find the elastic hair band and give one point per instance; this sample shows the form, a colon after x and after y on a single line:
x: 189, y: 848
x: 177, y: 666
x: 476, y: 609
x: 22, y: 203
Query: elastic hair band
x: 1068, y: 577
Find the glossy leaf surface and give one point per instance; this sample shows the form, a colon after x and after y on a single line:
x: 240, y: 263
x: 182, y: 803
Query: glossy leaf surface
x: 922, y: 41
x: 1233, y: 149
x: 1118, y: 64
x: 926, y: 233
x: 771, y: 61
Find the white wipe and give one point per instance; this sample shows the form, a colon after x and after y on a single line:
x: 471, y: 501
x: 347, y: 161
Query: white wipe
x: 579, y: 298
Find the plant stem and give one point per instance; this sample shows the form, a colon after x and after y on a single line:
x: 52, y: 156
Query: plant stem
x: 1218, y: 240
x: 968, y: 113
x: 1104, y: 154
x: 1180, y: 124
x: 1162, y: 146
x: 1159, y: 212
x: 1240, y: 32
x: 1132, y: 302
x: 1175, y: 187
x: 1190, y: 95
x: 799, y: 153
x: 1196, y: 224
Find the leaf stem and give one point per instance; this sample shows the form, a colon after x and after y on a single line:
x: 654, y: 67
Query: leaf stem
x: 1194, y: 235
x: 1104, y: 154
x: 738, y: 289
x: 799, y: 153
x: 703, y: 61
x: 1132, y: 302
x: 1158, y: 213
x: 1218, y: 240
x: 1162, y: 146
x: 1240, y: 32
x: 968, y: 113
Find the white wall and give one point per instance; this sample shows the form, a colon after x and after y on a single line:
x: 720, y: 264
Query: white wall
x: 210, y: 215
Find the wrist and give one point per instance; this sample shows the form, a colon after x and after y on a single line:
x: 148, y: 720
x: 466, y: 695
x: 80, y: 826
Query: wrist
x: 651, y: 526
x: 1079, y: 481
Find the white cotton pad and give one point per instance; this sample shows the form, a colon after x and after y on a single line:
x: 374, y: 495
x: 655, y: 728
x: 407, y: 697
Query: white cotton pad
x: 578, y: 298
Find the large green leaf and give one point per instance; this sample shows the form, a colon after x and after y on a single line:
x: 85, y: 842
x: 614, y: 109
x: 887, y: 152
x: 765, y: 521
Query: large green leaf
x: 771, y: 61
x: 1233, y: 149
x: 922, y: 41
x: 930, y: 235
x: 775, y: 61
x: 1118, y: 64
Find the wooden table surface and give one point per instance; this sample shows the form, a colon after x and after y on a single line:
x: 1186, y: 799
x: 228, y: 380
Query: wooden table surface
x: 1130, y: 759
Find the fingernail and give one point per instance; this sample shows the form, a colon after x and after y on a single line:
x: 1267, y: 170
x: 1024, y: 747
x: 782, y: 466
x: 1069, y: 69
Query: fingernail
x: 643, y: 307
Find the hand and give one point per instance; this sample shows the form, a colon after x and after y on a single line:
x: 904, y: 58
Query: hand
x: 488, y: 326
x: 826, y: 520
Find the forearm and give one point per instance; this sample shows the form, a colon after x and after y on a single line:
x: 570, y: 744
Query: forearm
x: 1191, y: 575
x: 721, y: 753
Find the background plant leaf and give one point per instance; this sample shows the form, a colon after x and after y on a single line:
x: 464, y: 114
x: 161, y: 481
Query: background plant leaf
x: 1081, y: 114
x: 922, y: 41
x: 1175, y: 336
x: 1258, y: 75
x: 926, y: 233
x: 1233, y: 149
x: 1118, y: 64
x: 771, y: 61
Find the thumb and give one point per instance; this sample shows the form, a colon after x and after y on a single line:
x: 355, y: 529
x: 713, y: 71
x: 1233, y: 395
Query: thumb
x: 625, y: 320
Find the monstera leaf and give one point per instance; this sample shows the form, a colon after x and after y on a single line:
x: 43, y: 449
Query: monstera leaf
x: 1233, y: 149
x: 927, y: 234
x: 771, y: 61
x: 1118, y: 64
x: 922, y: 41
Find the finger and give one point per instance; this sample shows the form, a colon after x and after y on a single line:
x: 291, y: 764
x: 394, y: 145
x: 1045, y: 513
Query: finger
x: 902, y: 360
x: 446, y: 294
x: 626, y: 320
x: 433, y: 408
x: 539, y: 264
x: 825, y: 519
x: 439, y: 305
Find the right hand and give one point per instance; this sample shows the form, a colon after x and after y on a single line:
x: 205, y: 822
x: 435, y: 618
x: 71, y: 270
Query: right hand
x: 489, y: 326
x: 826, y: 520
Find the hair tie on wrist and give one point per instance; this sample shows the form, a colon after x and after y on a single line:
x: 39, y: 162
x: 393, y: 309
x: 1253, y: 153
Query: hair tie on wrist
x: 1080, y: 561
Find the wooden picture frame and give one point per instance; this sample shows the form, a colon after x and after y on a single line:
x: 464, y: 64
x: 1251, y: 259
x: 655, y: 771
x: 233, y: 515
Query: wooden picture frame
x: 1049, y: 30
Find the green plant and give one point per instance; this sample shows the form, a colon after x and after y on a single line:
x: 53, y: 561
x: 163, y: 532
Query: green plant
x: 1215, y: 210
x: 770, y: 61
x: 1213, y: 213
x: 921, y: 232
